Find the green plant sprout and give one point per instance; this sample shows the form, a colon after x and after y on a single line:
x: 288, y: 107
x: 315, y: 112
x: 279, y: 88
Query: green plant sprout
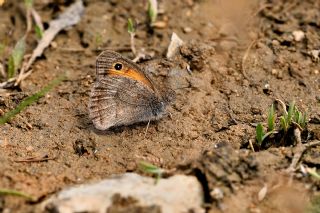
x: 151, y: 169
x: 260, y: 134
x: 31, y: 99
x: 271, y: 118
x: 132, y: 33
x: 28, y: 3
x: 16, y: 193
x: 16, y: 57
x: 38, y: 31
x: 292, y: 116
x: 152, y: 10
x: 313, y: 172
x: 98, y: 39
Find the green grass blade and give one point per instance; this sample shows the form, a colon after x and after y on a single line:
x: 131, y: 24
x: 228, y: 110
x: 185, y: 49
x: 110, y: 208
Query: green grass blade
x: 291, y: 111
x: 131, y: 28
x: 304, y: 120
x: 283, y: 123
x: 151, y: 169
x: 297, y: 116
x: 11, y: 67
x: 16, y: 193
x: 29, y: 100
x: 16, y: 57
x: 28, y: 3
x: 313, y: 173
x: 271, y: 118
x: 153, y: 10
x: 39, y: 32
x: 259, y: 133
x: 148, y: 167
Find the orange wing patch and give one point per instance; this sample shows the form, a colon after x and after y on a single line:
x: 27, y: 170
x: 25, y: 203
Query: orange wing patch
x: 133, y: 74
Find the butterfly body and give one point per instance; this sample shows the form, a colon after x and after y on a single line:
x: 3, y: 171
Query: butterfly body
x: 123, y: 94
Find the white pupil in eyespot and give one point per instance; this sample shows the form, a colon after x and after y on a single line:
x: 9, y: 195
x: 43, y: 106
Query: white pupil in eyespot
x: 118, y: 66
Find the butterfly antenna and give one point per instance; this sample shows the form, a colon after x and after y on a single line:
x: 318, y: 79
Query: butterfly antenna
x: 145, y: 133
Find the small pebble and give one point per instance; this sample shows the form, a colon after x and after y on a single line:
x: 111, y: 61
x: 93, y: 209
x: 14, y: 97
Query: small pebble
x: 274, y: 72
x: 298, y: 35
x: 187, y: 29
x: 54, y: 44
x: 159, y: 24
x: 275, y: 43
x: 29, y: 148
x: 316, y: 72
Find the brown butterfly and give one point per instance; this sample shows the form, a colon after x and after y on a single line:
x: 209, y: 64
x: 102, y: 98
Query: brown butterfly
x: 123, y: 94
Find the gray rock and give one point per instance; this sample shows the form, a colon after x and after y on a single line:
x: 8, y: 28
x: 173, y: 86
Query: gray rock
x: 131, y: 193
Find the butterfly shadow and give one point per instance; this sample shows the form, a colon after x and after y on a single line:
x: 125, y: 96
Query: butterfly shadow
x: 84, y: 122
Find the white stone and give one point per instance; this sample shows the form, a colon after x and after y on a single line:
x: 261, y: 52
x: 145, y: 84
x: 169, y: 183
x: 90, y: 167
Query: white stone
x: 298, y: 35
x: 174, y: 45
x: 176, y: 194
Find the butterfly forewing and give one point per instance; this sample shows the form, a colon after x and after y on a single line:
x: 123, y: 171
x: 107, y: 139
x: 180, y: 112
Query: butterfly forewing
x: 122, y: 93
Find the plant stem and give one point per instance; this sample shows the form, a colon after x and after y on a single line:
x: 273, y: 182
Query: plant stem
x: 132, y: 43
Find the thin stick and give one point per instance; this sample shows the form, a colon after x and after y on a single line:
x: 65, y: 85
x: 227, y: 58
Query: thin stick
x: 244, y: 58
x: 145, y: 133
x: 29, y: 19
x: 30, y: 160
x: 132, y: 44
x: 251, y: 145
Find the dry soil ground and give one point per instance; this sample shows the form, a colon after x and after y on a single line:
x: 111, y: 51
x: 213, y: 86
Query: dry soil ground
x: 243, y: 55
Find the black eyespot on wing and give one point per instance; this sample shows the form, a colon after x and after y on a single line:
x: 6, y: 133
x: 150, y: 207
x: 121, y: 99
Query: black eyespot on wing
x: 118, y: 66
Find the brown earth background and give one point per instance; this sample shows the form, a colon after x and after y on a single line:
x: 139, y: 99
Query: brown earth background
x: 242, y: 55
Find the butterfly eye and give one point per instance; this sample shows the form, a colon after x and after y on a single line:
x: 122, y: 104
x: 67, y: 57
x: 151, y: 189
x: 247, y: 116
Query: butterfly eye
x: 118, y: 66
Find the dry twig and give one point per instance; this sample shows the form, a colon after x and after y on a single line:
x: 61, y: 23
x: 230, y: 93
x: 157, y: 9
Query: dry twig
x: 70, y: 17
x: 244, y: 59
x: 36, y: 159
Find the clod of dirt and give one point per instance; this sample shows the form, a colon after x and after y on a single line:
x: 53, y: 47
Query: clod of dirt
x: 197, y: 54
x: 82, y: 147
x: 79, y: 147
x: 119, y: 193
x: 222, y: 168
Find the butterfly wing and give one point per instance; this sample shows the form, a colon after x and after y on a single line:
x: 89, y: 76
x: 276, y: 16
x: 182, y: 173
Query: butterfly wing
x: 122, y: 98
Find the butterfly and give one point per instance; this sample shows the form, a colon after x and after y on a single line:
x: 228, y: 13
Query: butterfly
x: 123, y: 94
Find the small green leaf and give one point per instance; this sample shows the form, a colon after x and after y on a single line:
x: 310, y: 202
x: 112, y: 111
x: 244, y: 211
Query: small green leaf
x: 151, y: 169
x: 39, y: 32
x: 283, y: 123
x: 28, y: 3
x: 296, y: 116
x: 11, y: 68
x: 153, y: 10
x: 16, y: 57
x: 131, y: 28
x: 271, y: 118
x: 303, y: 121
x: 291, y: 111
x: 259, y: 133
x: 98, y: 39
x: 29, y: 100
